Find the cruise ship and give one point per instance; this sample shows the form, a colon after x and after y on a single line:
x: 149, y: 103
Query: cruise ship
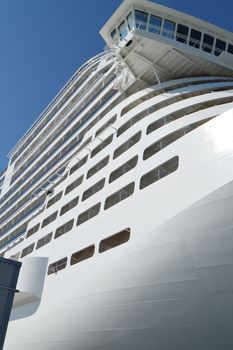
x: 118, y: 200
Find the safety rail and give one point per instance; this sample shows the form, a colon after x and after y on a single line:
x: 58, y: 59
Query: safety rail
x: 76, y: 75
x: 51, y: 178
x: 90, y: 90
x: 66, y: 110
x: 89, y: 116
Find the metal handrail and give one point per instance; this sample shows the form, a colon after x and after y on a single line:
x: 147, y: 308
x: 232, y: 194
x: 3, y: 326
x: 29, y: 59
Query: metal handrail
x: 56, y: 98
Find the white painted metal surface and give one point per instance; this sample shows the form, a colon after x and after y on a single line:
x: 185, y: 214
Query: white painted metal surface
x: 170, y: 286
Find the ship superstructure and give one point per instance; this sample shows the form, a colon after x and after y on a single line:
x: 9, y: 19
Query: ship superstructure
x: 112, y: 195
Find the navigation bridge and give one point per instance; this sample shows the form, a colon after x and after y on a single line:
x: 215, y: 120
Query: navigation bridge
x: 159, y: 44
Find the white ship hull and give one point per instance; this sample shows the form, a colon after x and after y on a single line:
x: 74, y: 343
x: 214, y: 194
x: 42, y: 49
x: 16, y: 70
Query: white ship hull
x: 170, y: 286
x: 118, y: 200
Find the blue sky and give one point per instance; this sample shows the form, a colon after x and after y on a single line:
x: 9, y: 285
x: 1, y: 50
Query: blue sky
x: 43, y: 42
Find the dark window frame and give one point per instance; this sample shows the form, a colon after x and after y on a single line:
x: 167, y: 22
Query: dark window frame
x: 159, y: 172
x: 119, y: 196
x: 69, y: 206
x: 132, y: 163
x: 43, y: 240
x: 115, y: 240
x: 27, y: 250
x: 88, y: 214
x: 57, y: 266
x: 33, y: 230
x: 182, y: 33
x: 89, y: 192
x: 54, y: 199
x: 52, y: 216
x: 82, y: 255
x: 59, y: 230
x: 74, y: 184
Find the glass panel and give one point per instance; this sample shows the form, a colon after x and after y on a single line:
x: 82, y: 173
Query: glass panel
x: 119, y: 196
x: 57, y: 266
x: 129, y: 19
x: 74, y: 184
x: 195, y: 38
x: 114, y: 241
x: 207, y: 44
x: 101, y: 146
x: 93, y: 189
x: 98, y: 167
x: 106, y: 125
x: 49, y: 219
x: 170, y: 138
x: 156, y: 125
x: 126, y: 145
x: 141, y: 19
x: 168, y: 29
x: 88, y: 214
x: 69, y: 206
x: 78, y: 165
x: 230, y: 48
x: 123, y: 169
x: 83, y: 254
x: 155, y: 24
x: 123, y: 30
x: 54, y: 199
x: 44, y: 240
x: 27, y: 250
x: 220, y: 46
x: 33, y: 230
x: 159, y: 172
x: 114, y: 34
x: 182, y: 33
x: 64, y: 228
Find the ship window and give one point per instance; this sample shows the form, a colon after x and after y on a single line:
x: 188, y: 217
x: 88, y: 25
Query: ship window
x: 103, y: 144
x: 93, y: 189
x: 88, y: 214
x: 33, y: 230
x: 64, y: 228
x: 78, y: 165
x: 141, y: 19
x: 220, y: 46
x: 132, y: 121
x: 57, y: 266
x: 98, y: 167
x: 155, y: 24
x: 27, y: 250
x: 49, y: 219
x: 168, y: 29
x: 82, y: 255
x: 182, y: 33
x: 159, y: 172
x: 13, y: 257
x: 156, y: 125
x: 109, y: 122
x: 54, y: 199
x: 69, y: 205
x: 230, y: 48
x: 120, y: 195
x: 74, y: 184
x: 114, y: 240
x: 207, y: 44
x: 123, y: 169
x: 126, y: 145
x: 170, y: 138
x: 129, y: 19
x: 195, y: 38
x: 114, y: 34
x: 44, y: 240
x: 123, y: 30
